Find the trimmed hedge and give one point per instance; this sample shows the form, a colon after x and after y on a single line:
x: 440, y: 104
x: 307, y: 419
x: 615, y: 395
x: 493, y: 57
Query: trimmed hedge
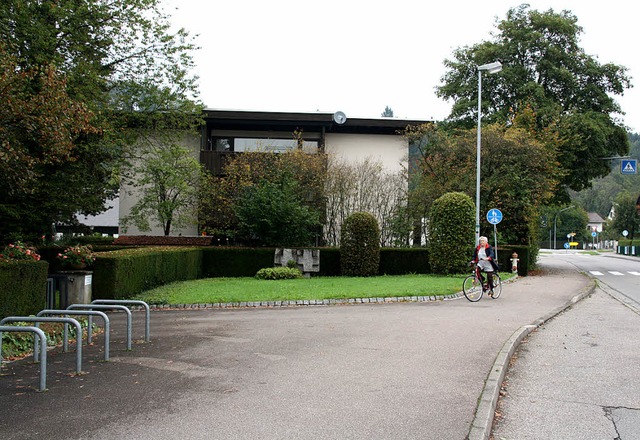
x: 404, y: 261
x: 24, y: 287
x: 360, y: 245
x: 235, y: 262
x: 126, y: 273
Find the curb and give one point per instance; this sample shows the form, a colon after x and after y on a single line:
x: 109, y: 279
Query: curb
x: 304, y: 302
x: 483, y: 420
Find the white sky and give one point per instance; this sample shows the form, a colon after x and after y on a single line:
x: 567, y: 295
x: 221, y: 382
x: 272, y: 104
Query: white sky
x: 359, y: 56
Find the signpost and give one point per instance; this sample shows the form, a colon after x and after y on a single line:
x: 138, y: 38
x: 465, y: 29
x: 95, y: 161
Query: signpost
x: 494, y: 216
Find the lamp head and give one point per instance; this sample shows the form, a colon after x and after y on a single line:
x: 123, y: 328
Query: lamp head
x: 494, y: 67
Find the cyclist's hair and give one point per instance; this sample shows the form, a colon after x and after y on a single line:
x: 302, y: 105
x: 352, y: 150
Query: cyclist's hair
x: 483, y: 238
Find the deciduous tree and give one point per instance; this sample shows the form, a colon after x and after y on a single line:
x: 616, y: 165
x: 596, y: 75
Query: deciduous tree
x: 544, y: 68
x: 119, y: 70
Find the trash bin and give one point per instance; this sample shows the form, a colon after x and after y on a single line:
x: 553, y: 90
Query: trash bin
x: 73, y: 286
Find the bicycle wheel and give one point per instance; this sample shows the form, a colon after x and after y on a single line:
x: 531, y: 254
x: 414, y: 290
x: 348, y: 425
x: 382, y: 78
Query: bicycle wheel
x: 472, y: 288
x: 497, y: 286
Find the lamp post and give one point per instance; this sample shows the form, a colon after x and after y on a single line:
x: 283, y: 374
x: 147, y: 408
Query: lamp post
x: 555, y: 218
x: 494, y: 67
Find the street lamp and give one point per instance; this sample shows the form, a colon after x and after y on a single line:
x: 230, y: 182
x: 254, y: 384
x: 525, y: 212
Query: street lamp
x: 494, y: 67
x: 555, y: 218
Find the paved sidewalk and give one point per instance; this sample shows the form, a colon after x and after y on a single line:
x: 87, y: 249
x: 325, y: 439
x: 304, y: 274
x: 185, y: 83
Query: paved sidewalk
x: 409, y: 370
x: 577, y: 377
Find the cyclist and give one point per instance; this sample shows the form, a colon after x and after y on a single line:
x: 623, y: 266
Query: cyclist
x: 484, y: 257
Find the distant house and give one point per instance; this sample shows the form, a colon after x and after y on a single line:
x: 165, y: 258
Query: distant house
x: 229, y: 132
x: 595, y: 222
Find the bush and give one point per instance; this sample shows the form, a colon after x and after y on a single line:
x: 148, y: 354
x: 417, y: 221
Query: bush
x: 360, y: 245
x: 451, y: 233
x: 279, y: 273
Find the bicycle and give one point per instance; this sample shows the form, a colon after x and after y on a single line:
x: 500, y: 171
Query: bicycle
x: 473, y: 288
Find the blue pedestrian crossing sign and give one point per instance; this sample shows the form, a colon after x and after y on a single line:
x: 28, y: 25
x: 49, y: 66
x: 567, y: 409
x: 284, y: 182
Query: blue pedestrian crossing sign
x: 494, y: 216
x: 629, y: 166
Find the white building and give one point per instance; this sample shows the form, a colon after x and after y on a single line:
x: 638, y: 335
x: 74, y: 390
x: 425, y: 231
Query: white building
x: 229, y: 132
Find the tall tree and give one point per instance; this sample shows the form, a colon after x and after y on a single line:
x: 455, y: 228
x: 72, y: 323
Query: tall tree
x: 544, y: 68
x: 121, y: 65
x: 387, y: 113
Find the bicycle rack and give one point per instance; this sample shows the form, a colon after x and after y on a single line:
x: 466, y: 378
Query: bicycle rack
x: 107, y: 326
x: 66, y: 338
x: 125, y: 302
x: 43, y: 349
x: 107, y: 307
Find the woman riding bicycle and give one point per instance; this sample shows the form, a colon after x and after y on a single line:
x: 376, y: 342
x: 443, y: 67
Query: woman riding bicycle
x: 484, y: 257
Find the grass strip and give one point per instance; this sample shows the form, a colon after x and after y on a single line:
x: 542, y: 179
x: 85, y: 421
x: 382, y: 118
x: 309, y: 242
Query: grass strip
x: 227, y: 290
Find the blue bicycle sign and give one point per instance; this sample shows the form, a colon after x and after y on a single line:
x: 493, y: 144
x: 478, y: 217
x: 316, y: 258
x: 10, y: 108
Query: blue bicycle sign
x: 494, y: 216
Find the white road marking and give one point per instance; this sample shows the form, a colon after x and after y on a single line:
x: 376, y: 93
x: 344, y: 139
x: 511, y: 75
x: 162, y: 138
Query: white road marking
x: 613, y: 272
x: 595, y: 272
x: 635, y: 273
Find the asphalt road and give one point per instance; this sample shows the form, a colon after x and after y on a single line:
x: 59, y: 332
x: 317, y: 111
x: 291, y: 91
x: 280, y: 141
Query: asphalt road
x: 577, y: 376
x: 366, y: 371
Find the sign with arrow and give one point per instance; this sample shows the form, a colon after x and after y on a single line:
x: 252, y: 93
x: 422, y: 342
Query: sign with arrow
x: 494, y: 216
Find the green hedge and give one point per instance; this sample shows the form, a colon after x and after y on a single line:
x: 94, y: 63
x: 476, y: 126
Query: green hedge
x: 235, y: 262
x: 125, y: 273
x: 403, y: 261
x: 24, y: 286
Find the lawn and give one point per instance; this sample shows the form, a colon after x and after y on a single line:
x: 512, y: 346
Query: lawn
x: 227, y: 290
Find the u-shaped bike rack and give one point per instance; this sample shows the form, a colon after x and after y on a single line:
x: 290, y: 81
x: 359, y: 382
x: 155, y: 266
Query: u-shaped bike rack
x: 89, y: 310
x: 107, y: 326
x: 66, y: 336
x: 107, y: 307
x: 43, y: 349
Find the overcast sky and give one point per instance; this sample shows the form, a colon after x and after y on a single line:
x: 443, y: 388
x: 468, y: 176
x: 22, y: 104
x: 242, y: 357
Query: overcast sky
x: 359, y: 56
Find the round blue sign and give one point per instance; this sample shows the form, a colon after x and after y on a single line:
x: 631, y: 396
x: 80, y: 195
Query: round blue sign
x: 567, y: 245
x: 494, y: 216
x: 594, y: 234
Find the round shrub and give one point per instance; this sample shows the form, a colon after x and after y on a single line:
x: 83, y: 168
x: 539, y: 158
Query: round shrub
x: 279, y: 273
x: 360, y: 245
x: 451, y: 233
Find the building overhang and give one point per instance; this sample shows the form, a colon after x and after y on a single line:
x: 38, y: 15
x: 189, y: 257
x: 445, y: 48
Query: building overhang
x: 291, y: 121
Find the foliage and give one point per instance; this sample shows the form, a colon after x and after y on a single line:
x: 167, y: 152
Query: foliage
x: 360, y: 245
x: 221, y: 194
x: 272, y: 214
x: 544, y: 69
x: 600, y: 196
x: 366, y: 187
x: 19, y: 251
x: 625, y: 215
x: 78, y: 255
x: 517, y: 174
x: 82, y: 82
x: 451, y: 233
x: 167, y: 180
x: 564, y: 221
x: 279, y: 273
